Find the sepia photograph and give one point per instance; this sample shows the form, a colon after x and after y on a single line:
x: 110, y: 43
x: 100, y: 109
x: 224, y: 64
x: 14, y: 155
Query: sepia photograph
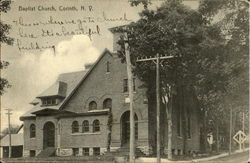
x: 124, y: 81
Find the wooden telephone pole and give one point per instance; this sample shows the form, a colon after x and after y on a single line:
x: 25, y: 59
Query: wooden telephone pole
x: 243, y: 128
x: 130, y: 89
x: 9, y: 113
x: 158, y: 103
x: 230, y: 130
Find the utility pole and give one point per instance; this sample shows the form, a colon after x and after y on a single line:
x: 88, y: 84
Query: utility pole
x: 230, y: 131
x: 130, y: 89
x: 9, y: 113
x: 158, y: 105
x: 243, y: 128
x: 157, y: 59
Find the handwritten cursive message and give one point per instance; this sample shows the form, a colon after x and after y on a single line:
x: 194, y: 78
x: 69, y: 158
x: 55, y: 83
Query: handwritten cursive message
x: 39, y: 34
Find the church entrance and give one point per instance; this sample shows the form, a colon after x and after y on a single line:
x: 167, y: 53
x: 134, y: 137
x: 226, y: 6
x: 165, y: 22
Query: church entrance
x: 125, y: 127
x: 48, y: 135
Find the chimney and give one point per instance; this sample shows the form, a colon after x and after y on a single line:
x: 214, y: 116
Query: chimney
x: 88, y: 65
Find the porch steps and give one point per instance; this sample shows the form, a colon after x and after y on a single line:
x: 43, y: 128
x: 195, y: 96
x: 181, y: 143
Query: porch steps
x: 47, y: 152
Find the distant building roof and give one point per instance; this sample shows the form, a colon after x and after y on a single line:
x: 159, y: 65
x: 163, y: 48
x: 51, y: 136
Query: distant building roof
x: 16, y: 140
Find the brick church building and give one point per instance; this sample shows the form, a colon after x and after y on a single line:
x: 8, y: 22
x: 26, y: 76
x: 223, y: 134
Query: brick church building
x: 87, y: 113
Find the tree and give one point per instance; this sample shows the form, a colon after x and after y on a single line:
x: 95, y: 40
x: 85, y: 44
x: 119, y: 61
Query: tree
x: 173, y: 29
x: 205, y: 62
x: 234, y: 28
x: 4, y: 31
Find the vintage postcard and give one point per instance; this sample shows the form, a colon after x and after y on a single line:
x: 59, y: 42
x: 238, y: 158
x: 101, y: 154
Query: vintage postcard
x: 124, y: 81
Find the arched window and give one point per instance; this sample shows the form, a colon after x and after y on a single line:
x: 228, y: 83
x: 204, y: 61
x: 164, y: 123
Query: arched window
x: 32, y: 131
x: 108, y: 67
x: 107, y: 104
x: 92, y: 105
x: 75, y: 127
x: 85, y: 126
x: 96, y: 126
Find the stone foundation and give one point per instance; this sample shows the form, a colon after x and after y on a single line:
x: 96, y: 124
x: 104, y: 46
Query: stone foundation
x: 103, y: 151
x: 26, y: 153
x: 69, y: 152
x: 146, y: 150
x: 65, y: 152
x: 113, y: 149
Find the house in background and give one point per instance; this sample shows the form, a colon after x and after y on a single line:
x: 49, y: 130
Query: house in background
x: 87, y: 113
x: 16, y: 144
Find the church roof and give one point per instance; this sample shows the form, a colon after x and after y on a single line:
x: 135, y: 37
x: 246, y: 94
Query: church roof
x: 57, y: 89
x: 72, y: 80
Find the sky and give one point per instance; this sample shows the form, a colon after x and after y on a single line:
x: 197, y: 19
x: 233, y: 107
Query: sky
x: 32, y: 71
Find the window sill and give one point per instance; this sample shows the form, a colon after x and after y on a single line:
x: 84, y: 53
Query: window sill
x: 87, y: 133
x: 98, y: 110
x: 43, y: 105
x: 126, y: 93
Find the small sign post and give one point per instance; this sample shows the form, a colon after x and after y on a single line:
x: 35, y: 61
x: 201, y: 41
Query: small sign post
x: 240, y: 137
x: 210, y: 140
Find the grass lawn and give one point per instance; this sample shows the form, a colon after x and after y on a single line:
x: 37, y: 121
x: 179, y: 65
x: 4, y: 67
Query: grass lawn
x: 72, y: 159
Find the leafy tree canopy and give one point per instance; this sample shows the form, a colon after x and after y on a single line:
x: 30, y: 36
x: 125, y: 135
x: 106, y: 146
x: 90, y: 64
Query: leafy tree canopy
x: 210, y: 46
x: 4, y: 38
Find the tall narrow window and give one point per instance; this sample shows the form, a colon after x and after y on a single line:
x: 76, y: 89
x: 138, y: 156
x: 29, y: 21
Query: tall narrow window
x: 85, y: 151
x: 125, y: 85
x: 75, y: 151
x: 32, y: 131
x: 49, y: 101
x: 53, y: 101
x: 85, y: 126
x: 92, y: 105
x: 96, y: 126
x: 133, y: 84
x: 32, y: 153
x: 136, y: 128
x: 108, y: 67
x: 107, y: 104
x: 75, y: 127
x: 96, y: 151
x: 44, y: 101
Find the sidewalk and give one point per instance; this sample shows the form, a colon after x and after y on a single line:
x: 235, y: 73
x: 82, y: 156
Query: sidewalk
x: 154, y: 160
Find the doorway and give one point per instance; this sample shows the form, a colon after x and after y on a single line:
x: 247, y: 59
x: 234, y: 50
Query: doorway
x: 48, y: 135
x: 125, y: 127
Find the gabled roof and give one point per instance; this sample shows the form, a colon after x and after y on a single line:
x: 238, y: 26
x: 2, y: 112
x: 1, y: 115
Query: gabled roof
x: 73, y: 81
x: 57, y: 89
x: 16, y: 140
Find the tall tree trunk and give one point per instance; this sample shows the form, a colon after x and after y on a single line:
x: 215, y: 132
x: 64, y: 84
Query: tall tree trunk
x: 205, y: 131
x: 217, y: 138
x: 169, y: 117
x: 168, y: 100
x: 184, y: 120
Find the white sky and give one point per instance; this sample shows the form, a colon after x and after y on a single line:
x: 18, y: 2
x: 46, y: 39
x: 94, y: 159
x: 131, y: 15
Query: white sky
x: 30, y: 72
